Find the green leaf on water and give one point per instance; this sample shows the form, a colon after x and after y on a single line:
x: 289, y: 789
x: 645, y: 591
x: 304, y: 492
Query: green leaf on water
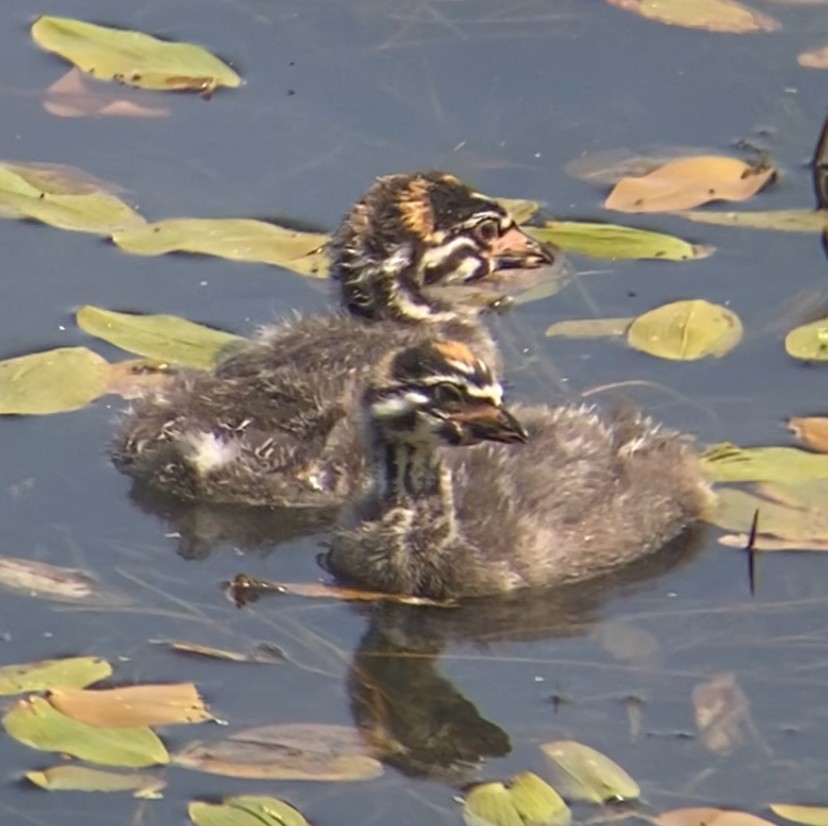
x: 133, y: 58
x: 69, y: 672
x: 54, y: 381
x: 62, y: 197
x: 86, y: 779
x: 686, y: 330
x: 810, y: 815
x: 808, y: 342
x: 34, y: 722
x: 730, y: 463
x: 520, y: 209
x: 525, y: 800
x: 782, y: 220
x: 617, y: 242
x: 582, y: 773
x: 590, y: 327
x: 245, y: 810
x: 165, y: 338
x: 237, y: 239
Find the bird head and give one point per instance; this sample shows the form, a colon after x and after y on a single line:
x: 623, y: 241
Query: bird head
x: 439, y: 391
x: 412, y: 234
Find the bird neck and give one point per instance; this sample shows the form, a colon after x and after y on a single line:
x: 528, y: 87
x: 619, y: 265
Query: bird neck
x: 406, y: 470
x: 388, y: 288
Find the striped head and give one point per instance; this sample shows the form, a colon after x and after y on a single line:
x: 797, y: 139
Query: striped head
x: 415, y: 231
x: 439, y: 391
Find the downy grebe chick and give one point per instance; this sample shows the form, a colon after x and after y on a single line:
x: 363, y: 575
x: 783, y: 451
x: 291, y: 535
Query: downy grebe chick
x: 275, y: 423
x: 588, y: 493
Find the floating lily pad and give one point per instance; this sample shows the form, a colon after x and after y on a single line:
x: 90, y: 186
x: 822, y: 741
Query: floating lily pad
x: 34, y: 722
x: 712, y: 15
x: 615, y: 242
x: 165, y: 338
x: 133, y: 58
x: 810, y: 815
x: 62, y: 197
x: 245, y: 810
x: 782, y: 220
x: 290, y: 751
x: 809, y: 342
x: 686, y: 330
x: 582, y: 773
x: 730, y: 463
x: 525, y: 800
x: 54, y: 381
x: 237, y: 239
x: 136, y: 705
x: 85, y: 779
x: 590, y: 327
x: 69, y: 672
x: 687, y: 183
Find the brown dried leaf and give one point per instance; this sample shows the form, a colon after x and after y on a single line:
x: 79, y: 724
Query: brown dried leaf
x: 73, y: 96
x: 137, y: 377
x: 139, y: 705
x: 708, y: 817
x: 712, y: 15
x: 267, y: 656
x: 291, y: 751
x: 815, y: 59
x: 42, y: 580
x: 688, y: 183
x: 812, y: 430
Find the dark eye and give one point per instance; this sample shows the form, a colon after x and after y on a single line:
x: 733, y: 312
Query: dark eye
x: 487, y: 230
x: 448, y: 395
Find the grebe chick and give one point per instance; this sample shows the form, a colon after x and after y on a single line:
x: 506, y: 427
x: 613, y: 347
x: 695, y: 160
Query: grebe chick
x: 589, y: 491
x: 275, y: 423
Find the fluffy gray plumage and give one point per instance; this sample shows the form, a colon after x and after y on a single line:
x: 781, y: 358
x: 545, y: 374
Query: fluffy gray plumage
x: 589, y: 492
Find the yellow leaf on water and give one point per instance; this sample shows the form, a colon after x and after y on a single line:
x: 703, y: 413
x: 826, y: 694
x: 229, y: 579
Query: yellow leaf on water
x: 137, y: 705
x: 809, y: 342
x: 810, y: 815
x: 85, y: 779
x: 731, y: 463
x: 237, y: 239
x: 686, y: 330
x: 617, y: 242
x: 34, y: 722
x: 781, y: 220
x: 133, y: 58
x: 589, y: 327
x: 521, y: 210
x: 688, y: 183
x: 582, y: 773
x: 54, y: 381
x: 245, y: 810
x: 62, y: 197
x: 164, y: 338
x: 525, y: 800
x: 69, y: 672
x: 726, y: 16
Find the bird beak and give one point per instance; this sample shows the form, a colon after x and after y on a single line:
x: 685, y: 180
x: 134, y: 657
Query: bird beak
x: 488, y: 422
x: 517, y: 250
